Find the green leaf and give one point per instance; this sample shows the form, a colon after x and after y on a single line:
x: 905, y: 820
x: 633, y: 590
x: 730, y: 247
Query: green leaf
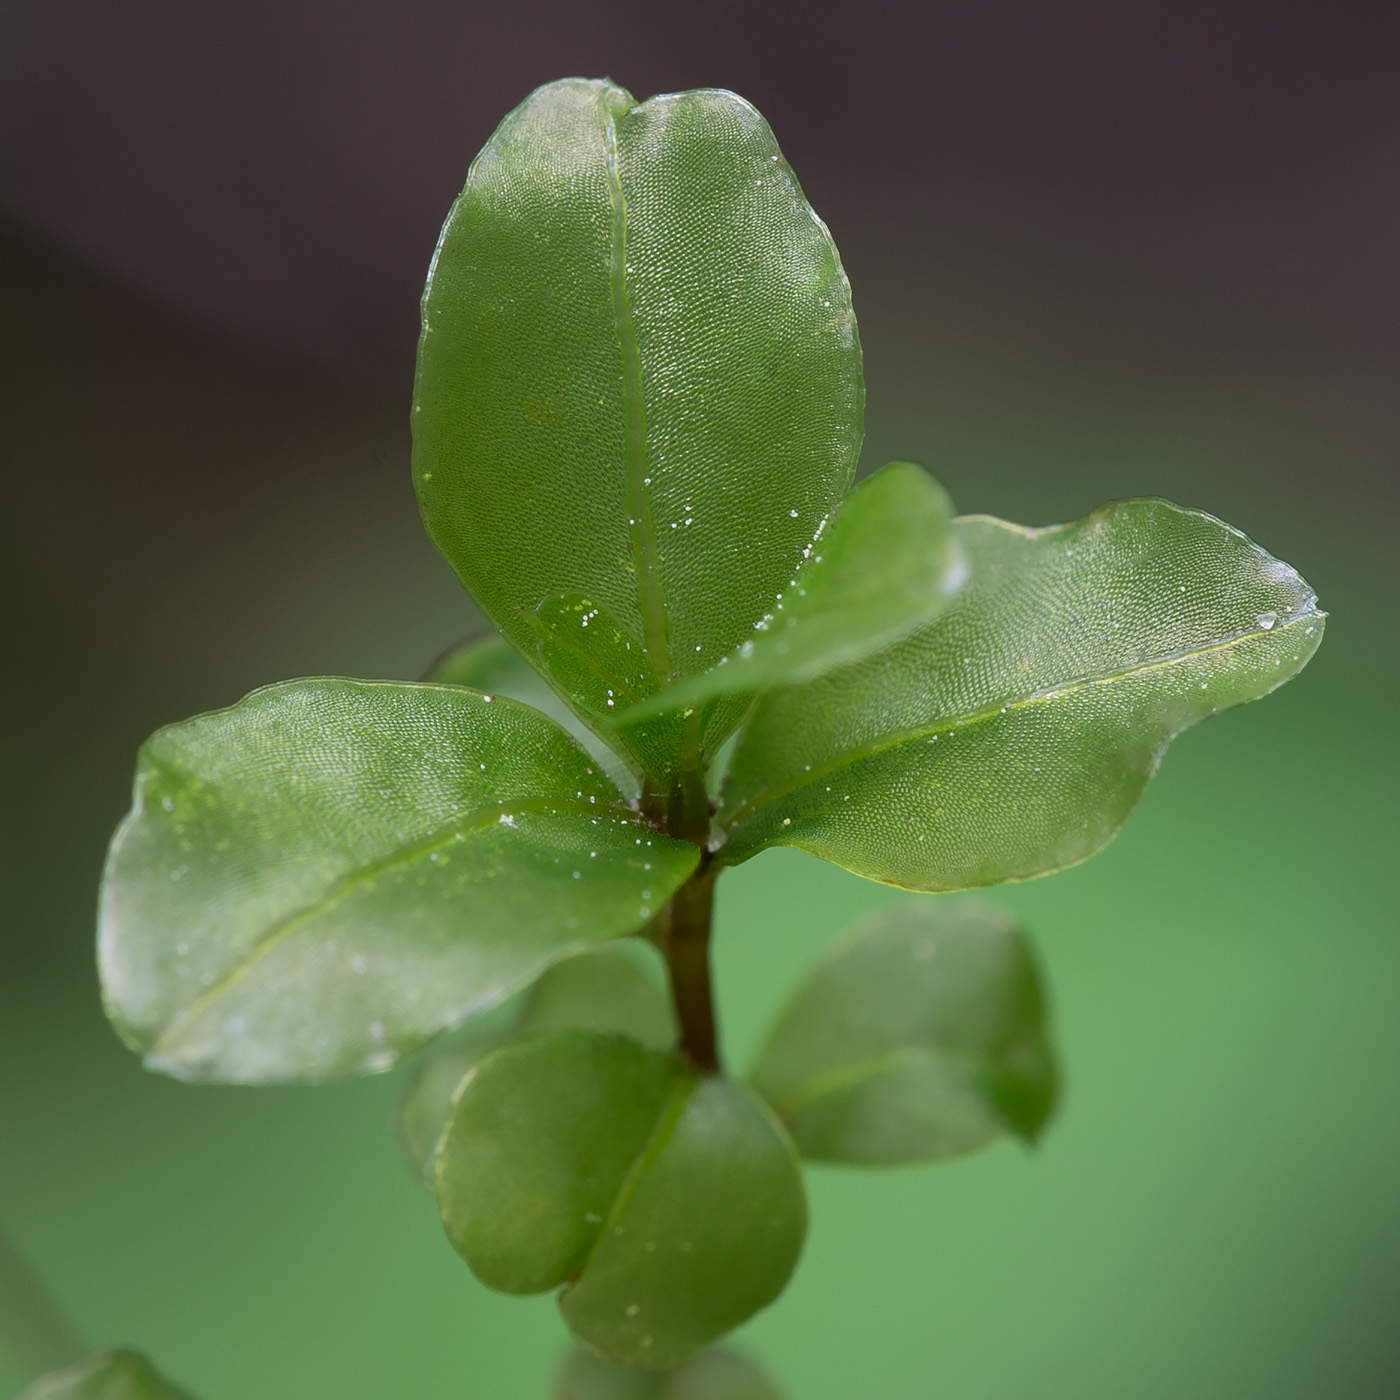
x: 639, y: 376
x: 672, y: 1206
x: 1015, y: 734
x: 109, y: 1375
x: 539, y: 1141
x: 603, y: 670
x: 705, y: 1231
x: 492, y: 665
x: 601, y: 990
x: 922, y: 1035
x: 329, y: 873
x: 713, y: 1375
x: 886, y: 565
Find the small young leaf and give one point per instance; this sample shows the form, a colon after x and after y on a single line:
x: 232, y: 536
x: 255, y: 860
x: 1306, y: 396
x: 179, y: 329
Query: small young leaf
x: 639, y: 378
x: 322, y: 877
x: 673, y: 1206
x: 885, y: 565
x: 922, y: 1035
x: 603, y: 670
x: 713, y: 1375
x: 705, y: 1231
x: 1014, y: 735
x: 540, y: 1138
x: 492, y: 665
x: 109, y: 1375
x: 602, y: 990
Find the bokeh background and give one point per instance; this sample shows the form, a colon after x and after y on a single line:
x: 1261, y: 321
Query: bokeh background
x: 1097, y: 250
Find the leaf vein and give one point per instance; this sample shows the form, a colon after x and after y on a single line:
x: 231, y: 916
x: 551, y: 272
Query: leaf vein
x: 641, y: 527
x: 478, y: 820
x: 947, y: 725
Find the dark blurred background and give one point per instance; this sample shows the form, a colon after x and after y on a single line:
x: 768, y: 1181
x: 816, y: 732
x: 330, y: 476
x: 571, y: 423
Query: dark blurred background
x: 1097, y: 250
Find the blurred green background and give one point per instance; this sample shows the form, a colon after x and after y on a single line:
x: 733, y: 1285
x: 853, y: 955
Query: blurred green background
x: 1096, y: 251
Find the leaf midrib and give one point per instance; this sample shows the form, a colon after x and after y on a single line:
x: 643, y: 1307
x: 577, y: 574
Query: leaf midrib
x: 922, y: 732
x: 667, y: 1117
x: 477, y: 820
x: 640, y: 525
x: 856, y: 1072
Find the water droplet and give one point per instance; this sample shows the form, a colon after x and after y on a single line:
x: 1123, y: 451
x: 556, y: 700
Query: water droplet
x: 1267, y: 619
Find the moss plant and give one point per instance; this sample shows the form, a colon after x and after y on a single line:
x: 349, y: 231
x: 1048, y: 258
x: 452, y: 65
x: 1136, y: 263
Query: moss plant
x: 636, y: 420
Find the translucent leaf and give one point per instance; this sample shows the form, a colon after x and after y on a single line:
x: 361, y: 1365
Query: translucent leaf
x: 322, y: 877
x: 886, y: 565
x: 705, y: 1231
x: 492, y: 665
x: 109, y: 1375
x: 671, y: 1206
x: 713, y: 1375
x: 639, y: 377
x: 922, y: 1035
x: 602, y: 990
x: 535, y: 1152
x: 1014, y: 735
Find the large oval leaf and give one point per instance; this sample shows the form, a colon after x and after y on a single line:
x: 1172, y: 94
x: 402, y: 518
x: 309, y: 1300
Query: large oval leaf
x: 639, y: 378
x: 109, y: 1375
x: 605, y: 989
x: 921, y: 1036
x: 671, y: 1206
x: 1014, y: 735
x: 320, y: 878
x: 886, y: 564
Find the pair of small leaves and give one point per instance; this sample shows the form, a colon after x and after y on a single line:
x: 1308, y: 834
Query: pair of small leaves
x: 713, y: 1375
x: 670, y: 1207
x: 607, y: 990
x: 108, y: 1375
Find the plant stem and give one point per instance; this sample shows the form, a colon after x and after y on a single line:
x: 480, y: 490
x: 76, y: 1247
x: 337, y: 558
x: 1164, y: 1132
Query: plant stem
x: 33, y: 1327
x: 682, y: 932
x: 684, y: 939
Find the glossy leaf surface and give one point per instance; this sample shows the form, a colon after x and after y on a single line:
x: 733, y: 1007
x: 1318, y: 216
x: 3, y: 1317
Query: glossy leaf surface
x: 492, y: 665
x: 922, y: 1035
x: 713, y: 1375
x: 539, y: 1141
x: 885, y: 565
x: 320, y: 878
x: 705, y: 1231
x: 603, y: 990
x: 639, y: 377
x: 1014, y: 735
x: 672, y: 1206
x: 109, y: 1375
